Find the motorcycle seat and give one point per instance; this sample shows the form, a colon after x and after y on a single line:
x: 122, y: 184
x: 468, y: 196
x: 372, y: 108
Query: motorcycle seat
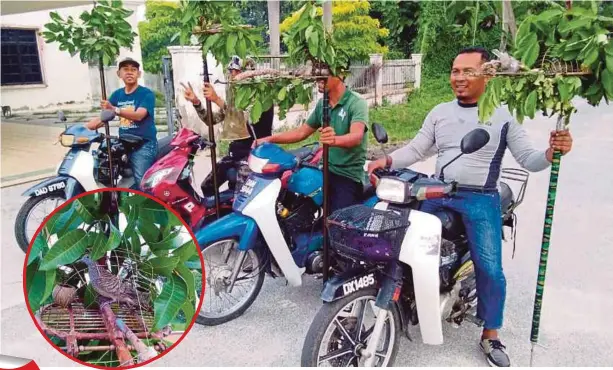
x: 304, y: 152
x: 131, y: 142
x: 164, y: 147
x: 224, y: 197
x: 369, y: 191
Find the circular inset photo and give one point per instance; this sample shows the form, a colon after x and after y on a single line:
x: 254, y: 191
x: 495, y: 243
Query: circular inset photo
x: 113, y: 278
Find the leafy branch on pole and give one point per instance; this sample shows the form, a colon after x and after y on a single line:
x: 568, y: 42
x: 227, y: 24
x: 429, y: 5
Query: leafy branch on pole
x: 97, y: 37
x: 563, y: 54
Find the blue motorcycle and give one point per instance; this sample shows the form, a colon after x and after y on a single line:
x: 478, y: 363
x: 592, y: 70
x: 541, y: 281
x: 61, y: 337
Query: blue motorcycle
x: 275, y: 228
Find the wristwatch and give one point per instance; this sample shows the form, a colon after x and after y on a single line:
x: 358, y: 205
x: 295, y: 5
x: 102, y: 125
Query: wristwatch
x: 117, y: 110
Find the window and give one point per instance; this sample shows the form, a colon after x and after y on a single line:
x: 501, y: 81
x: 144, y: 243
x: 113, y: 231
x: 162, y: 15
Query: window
x: 20, y: 60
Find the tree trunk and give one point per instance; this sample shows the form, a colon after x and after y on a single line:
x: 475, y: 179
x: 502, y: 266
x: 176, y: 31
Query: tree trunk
x: 273, y: 26
x: 328, y: 15
x: 508, y: 23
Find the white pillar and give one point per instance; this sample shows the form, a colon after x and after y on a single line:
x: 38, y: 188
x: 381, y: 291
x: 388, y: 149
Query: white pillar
x: 417, y: 59
x: 376, y: 61
x: 187, y: 67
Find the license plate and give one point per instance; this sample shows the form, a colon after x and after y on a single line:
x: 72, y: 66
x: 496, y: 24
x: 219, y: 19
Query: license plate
x: 50, y: 188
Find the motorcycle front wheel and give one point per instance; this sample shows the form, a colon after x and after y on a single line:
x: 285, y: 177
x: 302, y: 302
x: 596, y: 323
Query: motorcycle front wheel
x: 220, y: 303
x: 32, y: 214
x: 341, y: 329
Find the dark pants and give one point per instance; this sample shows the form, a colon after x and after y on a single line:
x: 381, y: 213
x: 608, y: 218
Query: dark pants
x: 227, y: 166
x: 481, y: 216
x: 344, y: 192
x: 141, y: 159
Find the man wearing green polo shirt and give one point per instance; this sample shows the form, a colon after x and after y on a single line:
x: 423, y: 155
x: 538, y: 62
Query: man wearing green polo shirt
x: 345, y: 136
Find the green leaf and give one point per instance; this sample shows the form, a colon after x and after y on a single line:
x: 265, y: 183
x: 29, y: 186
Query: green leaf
x: 153, y: 211
x: 167, y: 304
x: 188, y: 277
x: 548, y: 15
x: 35, y: 285
x: 38, y: 247
x: 574, y: 24
x: 607, y: 81
x: 163, y: 265
x: 281, y: 94
x: 256, y: 111
x: 88, y: 215
x: 531, y: 50
x: 591, y: 56
x: 241, y: 48
x: 98, y: 242
x: 609, y: 61
x: 564, y: 90
x: 66, y: 250
x: 189, y: 311
x: 231, y: 44
x: 56, y: 17
x: 530, y: 104
x: 186, y: 251
x: 150, y: 232
x: 49, y: 284
x: 172, y: 241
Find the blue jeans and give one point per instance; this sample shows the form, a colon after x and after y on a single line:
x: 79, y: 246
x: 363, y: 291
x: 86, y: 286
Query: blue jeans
x: 141, y: 159
x: 481, y: 216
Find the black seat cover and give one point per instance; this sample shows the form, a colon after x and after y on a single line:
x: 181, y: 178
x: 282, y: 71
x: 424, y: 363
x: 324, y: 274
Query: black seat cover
x: 369, y: 191
x: 163, y: 146
x: 131, y: 142
x: 302, y: 153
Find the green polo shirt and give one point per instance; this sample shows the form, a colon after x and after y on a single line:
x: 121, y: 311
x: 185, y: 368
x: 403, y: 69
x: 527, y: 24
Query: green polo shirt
x: 348, y: 162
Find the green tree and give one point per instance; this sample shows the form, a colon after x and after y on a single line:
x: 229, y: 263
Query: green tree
x: 401, y: 18
x: 156, y: 33
x: 447, y: 27
x: 358, y: 34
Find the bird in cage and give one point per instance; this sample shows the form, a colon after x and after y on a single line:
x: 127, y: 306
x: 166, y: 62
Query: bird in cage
x: 109, y: 285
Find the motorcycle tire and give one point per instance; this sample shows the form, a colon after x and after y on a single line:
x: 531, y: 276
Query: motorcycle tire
x: 22, y: 218
x: 213, y: 321
x: 325, y: 318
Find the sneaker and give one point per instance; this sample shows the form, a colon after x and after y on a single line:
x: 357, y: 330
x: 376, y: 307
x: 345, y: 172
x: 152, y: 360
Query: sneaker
x: 495, y: 352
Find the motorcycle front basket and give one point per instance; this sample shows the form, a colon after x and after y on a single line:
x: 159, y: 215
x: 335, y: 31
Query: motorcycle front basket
x: 367, y: 234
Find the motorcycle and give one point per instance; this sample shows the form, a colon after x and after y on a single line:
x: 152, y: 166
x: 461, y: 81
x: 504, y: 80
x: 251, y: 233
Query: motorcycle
x: 397, y: 267
x: 275, y: 229
x: 82, y: 169
x: 171, y: 179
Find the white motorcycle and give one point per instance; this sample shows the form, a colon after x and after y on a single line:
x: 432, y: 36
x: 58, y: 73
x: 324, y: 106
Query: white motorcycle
x: 84, y: 168
x: 397, y: 267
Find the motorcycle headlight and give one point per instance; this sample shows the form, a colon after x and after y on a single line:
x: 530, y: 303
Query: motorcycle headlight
x: 394, y: 190
x: 67, y: 140
x: 156, y: 178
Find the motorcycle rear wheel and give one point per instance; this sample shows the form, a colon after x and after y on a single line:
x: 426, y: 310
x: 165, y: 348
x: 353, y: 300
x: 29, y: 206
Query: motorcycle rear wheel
x: 218, y: 278
x: 21, y: 223
x: 336, y: 324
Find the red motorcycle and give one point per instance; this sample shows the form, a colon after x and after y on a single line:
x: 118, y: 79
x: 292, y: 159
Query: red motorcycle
x: 171, y: 178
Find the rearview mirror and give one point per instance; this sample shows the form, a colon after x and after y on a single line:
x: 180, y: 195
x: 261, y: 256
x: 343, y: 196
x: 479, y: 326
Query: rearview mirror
x: 107, y: 115
x: 474, y: 140
x: 380, y: 133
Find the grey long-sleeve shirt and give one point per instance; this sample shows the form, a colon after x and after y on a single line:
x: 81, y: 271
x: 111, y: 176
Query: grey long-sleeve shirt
x: 442, y: 132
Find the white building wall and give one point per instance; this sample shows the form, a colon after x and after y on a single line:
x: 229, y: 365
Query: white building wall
x: 65, y: 78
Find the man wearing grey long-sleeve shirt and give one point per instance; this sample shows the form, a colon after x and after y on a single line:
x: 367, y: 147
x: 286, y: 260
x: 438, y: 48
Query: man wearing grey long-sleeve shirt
x: 477, y: 174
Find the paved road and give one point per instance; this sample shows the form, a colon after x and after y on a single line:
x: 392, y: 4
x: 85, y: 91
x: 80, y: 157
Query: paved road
x: 578, y: 295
